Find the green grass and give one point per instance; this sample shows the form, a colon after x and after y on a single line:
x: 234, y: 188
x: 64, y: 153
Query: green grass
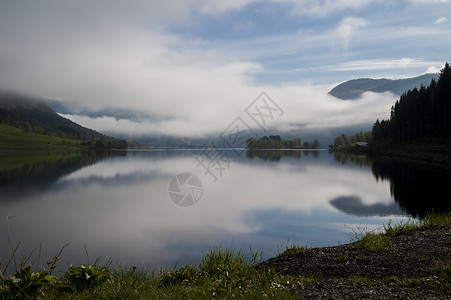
x: 295, y: 248
x: 286, y: 248
x: 408, y: 227
x: 436, y: 219
x: 13, y: 138
x: 220, y: 274
x: 362, y: 280
x: 439, y: 282
x: 25, y: 159
x: 19, y: 148
x: 442, y: 275
x: 373, y: 242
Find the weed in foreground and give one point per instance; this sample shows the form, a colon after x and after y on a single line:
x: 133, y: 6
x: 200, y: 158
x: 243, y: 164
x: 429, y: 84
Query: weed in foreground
x: 295, y: 249
x: 443, y: 277
x: 373, y: 242
x: 84, y: 276
x: 436, y: 219
x: 285, y: 248
x: 408, y: 227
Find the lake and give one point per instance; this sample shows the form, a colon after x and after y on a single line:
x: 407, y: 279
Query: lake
x: 160, y: 208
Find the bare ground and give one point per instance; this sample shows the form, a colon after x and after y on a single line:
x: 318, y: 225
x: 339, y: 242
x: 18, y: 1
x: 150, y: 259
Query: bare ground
x: 407, y: 270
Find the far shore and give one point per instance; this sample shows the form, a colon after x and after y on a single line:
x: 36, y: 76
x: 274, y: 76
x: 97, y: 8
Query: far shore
x: 438, y: 157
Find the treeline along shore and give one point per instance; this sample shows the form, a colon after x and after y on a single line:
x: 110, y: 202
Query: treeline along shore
x: 419, y: 127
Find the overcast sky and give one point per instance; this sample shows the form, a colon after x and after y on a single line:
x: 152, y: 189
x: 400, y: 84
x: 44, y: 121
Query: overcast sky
x: 191, y: 67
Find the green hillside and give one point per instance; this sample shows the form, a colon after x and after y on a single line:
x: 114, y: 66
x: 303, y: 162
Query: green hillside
x: 13, y: 138
x: 32, y: 116
x: 19, y: 148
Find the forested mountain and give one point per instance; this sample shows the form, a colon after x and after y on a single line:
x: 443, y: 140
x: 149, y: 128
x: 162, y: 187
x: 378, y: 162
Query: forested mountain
x: 35, y: 116
x: 420, y: 112
x: 353, y: 89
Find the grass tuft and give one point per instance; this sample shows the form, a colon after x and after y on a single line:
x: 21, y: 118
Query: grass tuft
x: 295, y: 249
x: 408, y: 227
x: 286, y: 248
x: 373, y: 242
x: 436, y: 219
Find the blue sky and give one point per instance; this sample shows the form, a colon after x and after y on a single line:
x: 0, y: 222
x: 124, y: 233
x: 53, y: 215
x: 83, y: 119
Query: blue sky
x: 292, y: 42
x: 196, y: 64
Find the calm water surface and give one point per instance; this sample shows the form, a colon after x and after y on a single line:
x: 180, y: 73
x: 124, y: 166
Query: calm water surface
x: 118, y: 206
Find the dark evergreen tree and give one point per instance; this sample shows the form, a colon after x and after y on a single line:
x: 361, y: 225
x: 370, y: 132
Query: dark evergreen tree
x: 423, y: 112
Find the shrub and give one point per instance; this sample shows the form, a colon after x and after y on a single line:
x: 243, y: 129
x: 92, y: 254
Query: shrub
x: 85, y: 277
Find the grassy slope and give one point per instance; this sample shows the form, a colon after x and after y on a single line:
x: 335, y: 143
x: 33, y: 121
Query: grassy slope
x: 18, y: 148
x: 13, y: 138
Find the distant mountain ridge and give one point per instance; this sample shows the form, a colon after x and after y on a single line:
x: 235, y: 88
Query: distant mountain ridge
x: 23, y: 110
x: 353, y: 89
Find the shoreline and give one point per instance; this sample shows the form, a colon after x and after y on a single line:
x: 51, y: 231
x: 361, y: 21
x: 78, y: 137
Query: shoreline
x: 439, y: 159
x: 409, y: 260
x: 407, y: 268
x: 436, y: 157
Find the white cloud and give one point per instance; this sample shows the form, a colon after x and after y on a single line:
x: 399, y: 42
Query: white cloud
x: 384, y: 64
x: 117, y: 56
x: 430, y: 1
x: 312, y: 108
x: 214, y: 7
x: 138, y: 72
x: 432, y: 69
x: 327, y: 7
x: 305, y: 108
x: 441, y: 20
x: 300, y: 7
x: 346, y: 28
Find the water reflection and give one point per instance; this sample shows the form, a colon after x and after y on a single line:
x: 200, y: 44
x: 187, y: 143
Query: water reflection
x: 30, y: 179
x: 354, y: 205
x: 118, y: 205
x: 276, y: 155
x: 359, y: 160
x: 416, y: 189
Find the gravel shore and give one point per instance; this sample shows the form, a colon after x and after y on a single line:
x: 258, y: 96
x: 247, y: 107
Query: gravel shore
x: 406, y: 270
